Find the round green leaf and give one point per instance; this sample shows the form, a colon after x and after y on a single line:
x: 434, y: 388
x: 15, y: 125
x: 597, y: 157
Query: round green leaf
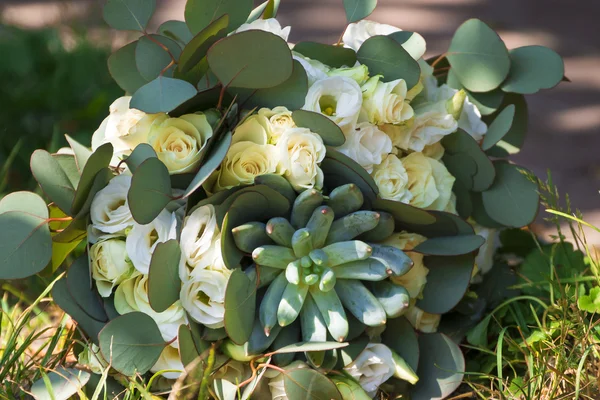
x: 460, y: 146
x: 187, y: 348
x: 129, y: 14
x: 210, y: 164
x: 513, y: 199
x: 329, y: 131
x: 163, y: 292
x: 65, y: 382
x: 162, y: 95
x: 464, y: 205
x: 257, y: 12
x: 499, y: 128
x: 450, y: 245
x: 141, y: 153
x: 200, y: 13
x: 340, y: 169
x: 150, y: 191
x: 151, y: 59
x: 404, y: 214
x: 81, y: 152
x: 271, y: 9
x: 400, y: 336
x: 52, y: 179
x: 197, y: 48
x: 25, y: 242
x: 68, y: 164
x: 290, y: 94
x: 334, y: 56
x: 446, y: 224
x: 309, y: 346
x: 240, y: 305
x: 358, y: 9
x: 97, y: 162
x: 176, y: 30
x: 487, y: 102
x: 302, y: 384
x: 132, y: 342
x: 79, y: 284
x: 515, y: 138
x: 412, y: 42
x: 441, y: 367
x: 384, y: 56
x: 533, y: 68
x: 478, y: 56
x: 251, y: 59
x: 123, y: 68
x: 447, y: 282
x: 480, y: 215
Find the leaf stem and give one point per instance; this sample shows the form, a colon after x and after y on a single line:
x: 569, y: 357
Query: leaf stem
x: 165, y: 48
x: 439, y: 59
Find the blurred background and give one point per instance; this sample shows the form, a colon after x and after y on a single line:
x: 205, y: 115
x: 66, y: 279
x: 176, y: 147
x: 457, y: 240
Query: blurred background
x: 54, y: 79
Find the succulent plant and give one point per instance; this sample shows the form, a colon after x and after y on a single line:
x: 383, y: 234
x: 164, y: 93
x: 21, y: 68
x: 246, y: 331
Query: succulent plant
x: 327, y: 263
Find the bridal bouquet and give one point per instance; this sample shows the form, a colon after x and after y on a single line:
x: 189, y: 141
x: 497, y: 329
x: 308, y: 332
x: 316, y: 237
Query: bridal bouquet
x: 312, y: 210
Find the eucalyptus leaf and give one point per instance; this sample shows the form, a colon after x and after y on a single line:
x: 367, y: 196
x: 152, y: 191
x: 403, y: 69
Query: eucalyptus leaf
x: 358, y: 9
x: 176, y: 30
x: 329, y: 131
x: 404, y: 214
x: 412, y: 42
x: 384, y: 56
x: 257, y: 12
x: 340, y: 169
x: 200, y: 13
x: 441, y: 368
x: 513, y: 199
x: 210, y: 164
x: 152, y: 59
x: 141, y: 153
x: 478, y: 56
x: 334, y: 56
x: 310, y: 346
x: 64, y: 383
x: 52, y: 179
x: 499, y: 128
x: 129, y: 14
x: 187, y: 348
x: 69, y: 165
x: 150, y: 191
x: 81, y: 153
x: 251, y: 59
x: 533, y: 68
x: 512, y: 142
x: 197, y: 48
x: 132, y: 342
x: 122, y: 67
x: 486, y: 102
x: 25, y: 242
x: 302, y: 384
x: 450, y: 245
x: 98, y: 161
x: 240, y: 305
x: 164, y: 284
x: 400, y: 336
x: 79, y: 284
x: 271, y: 9
x: 458, y: 147
x: 162, y: 95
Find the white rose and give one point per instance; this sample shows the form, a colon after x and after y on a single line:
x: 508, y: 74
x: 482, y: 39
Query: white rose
x: 435, y: 151
x: 245, y: 161
x: 385, y: 102
x: 280, y: 119
x: 356, y: 33
x: 268, y: 25
x: 169, y: 360
x: 199, y: 232
x: 142, y: 239
x: 118, y: 127
x: 422, y: 321
x: 276, y: 383
x: 392, y: 180
x: 415, y: 279
x: 359, y: 73
x: 485, y: 258
x: 339, y: 98
x: 367, y: 145
x: 178, y: 142
x: 429, y: 182
x: 301, y: 151
x: 233, y: 371
x: 256, y: 129
x: 132, y: 295
x: 374, y: 366
x: 315, y: 70
x: 92, y: 358
x: 203, y: 292
x: 110, y: 212
x: 110, y: 265
x: 470, y: 117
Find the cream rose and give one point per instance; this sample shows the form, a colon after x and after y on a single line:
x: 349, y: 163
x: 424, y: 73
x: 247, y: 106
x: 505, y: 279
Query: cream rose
x: 203, y: 292
x: 132, y: 295
x: 423, y: 321
x: 469, y: 118
x: 142, y: 239
x: 110, y: 212
x: 244, y: 162
x: 110, y: 265
x: 392, y: 180
x: 280, y: 119
x: 485, y: 258
x: 429, y: 182
x: 301, y: 151
x: 385, y: 102
x: 435, y: 151
x: 199, y: 232
x: 359, y: 73
x: 315, y: 70
x: 374, y: 366
x: 269, y: 25
x: 367, y: 145
x: 356, y: 33
x: 256, y: 129
x: 339, y: 98
x: 178, y: 142
x: 169, y: 360
x: 415, y: 279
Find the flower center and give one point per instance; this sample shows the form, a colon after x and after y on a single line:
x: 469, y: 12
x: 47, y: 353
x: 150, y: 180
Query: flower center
x: 328, y: 105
